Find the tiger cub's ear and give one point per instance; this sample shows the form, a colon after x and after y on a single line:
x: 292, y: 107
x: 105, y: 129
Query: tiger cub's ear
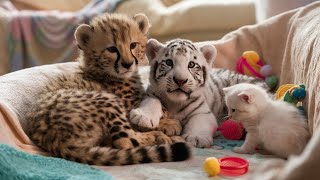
x: 83, y: 35
x: 143, y: 22
x: 209, y: 52
x: 153, y: 48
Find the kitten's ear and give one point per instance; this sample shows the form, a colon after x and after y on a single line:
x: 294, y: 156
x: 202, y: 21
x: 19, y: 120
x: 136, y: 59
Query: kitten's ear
x: 209, y: 52
x: 143, y: 22
x: 83, y: 35
x: 246, y: 97
x: 153, y: 47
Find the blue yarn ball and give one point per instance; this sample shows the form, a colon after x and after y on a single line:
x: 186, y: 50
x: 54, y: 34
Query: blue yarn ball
x: 299, y: 94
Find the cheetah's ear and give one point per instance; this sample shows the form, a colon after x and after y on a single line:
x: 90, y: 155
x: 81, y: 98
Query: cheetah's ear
x: 209, y: 52
x: 153, y: 47
x: 83, y: 35
x: 143, y: 22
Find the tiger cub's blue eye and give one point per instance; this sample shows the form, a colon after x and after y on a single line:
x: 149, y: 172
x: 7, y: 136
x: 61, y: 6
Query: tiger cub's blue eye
x: 191, y: 64
x: 169, y: 62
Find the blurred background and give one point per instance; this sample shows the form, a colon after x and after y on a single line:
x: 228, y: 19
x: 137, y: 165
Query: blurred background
x: 38, y: 32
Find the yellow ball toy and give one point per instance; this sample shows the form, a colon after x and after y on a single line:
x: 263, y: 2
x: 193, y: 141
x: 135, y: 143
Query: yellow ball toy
x: 211, y: 166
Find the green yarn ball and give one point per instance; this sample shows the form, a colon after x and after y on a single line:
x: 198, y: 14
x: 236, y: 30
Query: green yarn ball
x: 272, y: 81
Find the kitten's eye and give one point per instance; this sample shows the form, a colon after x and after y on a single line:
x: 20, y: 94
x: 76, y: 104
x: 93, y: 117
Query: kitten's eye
x: 133, y: 45
x: 169, y: 62
x: 112, y: 49
x: 191, y: 64
x: 233, y: 110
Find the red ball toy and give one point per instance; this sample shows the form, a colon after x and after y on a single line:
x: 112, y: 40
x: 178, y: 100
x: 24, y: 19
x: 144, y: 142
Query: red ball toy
x: 231, y: 129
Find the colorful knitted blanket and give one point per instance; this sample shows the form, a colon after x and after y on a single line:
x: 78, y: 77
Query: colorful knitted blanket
x: 46, y: 37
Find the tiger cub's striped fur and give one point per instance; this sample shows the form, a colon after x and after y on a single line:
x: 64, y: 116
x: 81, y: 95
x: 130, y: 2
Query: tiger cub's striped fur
x: 83, y: 116
x: 182, y: 80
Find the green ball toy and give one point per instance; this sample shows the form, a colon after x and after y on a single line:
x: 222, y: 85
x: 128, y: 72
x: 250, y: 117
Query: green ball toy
x: 272, y: 81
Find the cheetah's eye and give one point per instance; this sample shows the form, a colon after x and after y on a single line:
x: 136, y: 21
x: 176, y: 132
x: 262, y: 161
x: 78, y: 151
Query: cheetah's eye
x: 133, y: 45
x: 169, y: 62
x: 191, y: 64
x: 233, y: 110
x: 112, y: 49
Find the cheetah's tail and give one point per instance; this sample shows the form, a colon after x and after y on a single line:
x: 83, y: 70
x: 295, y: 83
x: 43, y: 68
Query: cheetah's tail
x: 113, y: 157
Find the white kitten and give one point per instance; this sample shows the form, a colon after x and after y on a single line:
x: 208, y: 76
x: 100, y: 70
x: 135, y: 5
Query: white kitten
x: 276, y: 125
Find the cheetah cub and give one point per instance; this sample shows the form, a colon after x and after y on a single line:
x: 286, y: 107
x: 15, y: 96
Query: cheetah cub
x: 82, y: 114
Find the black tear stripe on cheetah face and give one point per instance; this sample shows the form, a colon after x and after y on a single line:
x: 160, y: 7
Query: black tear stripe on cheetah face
x: 81, y: 115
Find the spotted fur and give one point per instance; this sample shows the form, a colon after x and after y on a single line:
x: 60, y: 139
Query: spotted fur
x: 81, y: 115
x: 182, y: 79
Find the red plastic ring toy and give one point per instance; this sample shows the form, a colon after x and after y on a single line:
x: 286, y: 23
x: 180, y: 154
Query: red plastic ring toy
x: 233, y: 166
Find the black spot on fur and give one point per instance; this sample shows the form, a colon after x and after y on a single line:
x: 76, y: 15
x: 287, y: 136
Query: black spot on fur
x: 58, y: 116
x: 89, y: 96
x: 117, y: 123
x: 123, y: 134
x: 134, y: 142
x: 115, y: 137
x: 89, y: 127
x: 67, y: 118
x: 180, y: 152
x: 94, y: 115
x: 114, y: 129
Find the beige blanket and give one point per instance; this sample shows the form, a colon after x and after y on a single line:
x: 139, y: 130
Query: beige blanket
x: 288, y: 42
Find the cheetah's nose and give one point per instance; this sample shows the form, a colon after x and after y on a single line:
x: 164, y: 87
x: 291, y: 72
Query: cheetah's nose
x: 180, y: 82
x: 126, y: 65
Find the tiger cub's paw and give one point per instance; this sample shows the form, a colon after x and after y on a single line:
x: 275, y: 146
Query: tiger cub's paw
x: 144, y: 118
x: 170, y: 127
x: 199, y: 141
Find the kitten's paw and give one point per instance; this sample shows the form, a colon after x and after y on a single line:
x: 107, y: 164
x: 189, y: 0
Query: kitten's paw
x: 144, y: 118
x: 199, y: 141
x: 170, y: 127
x: 241, y: 150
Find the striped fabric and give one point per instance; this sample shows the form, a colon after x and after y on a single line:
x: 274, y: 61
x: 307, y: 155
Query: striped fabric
x: 45, y: 37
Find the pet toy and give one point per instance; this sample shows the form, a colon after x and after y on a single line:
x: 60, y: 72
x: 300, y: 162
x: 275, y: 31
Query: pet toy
x: 231, y: 129
x: 250, y: 64
x: 227, y: 166
x: 293, y: 94
x: 211, y: 166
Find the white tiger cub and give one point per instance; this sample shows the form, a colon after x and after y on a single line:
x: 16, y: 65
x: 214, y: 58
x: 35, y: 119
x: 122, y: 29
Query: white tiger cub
x: 182, y: 81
